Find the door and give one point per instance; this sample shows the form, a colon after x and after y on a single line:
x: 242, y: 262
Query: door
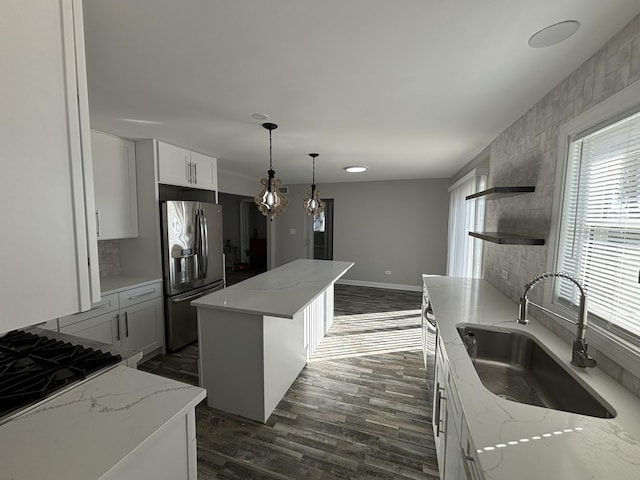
x: 140, y: 328
x: 45, y: 164
x: 182, y: 323
x: 180, y: 236
x: 174, y: 165
x: 323, y: 233
x: 212, y: 238
x: 205, y: 171
x: 114, y: 167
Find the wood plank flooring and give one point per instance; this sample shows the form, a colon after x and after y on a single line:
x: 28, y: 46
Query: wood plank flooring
x: 359, y: 410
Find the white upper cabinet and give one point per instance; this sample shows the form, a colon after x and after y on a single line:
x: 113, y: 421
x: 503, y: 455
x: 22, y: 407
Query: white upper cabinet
x: 182, y: 167
x: 205, y: 170
x: 114, y: 170
x: 48, y: 248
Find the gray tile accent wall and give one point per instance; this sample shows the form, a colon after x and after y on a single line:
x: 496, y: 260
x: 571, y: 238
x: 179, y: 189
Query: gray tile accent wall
x: 525, y: 154
x: 109, y: 255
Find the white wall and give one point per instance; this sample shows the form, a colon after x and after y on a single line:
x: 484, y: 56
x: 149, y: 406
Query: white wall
x: 399, y: 226
x: 238, y: 184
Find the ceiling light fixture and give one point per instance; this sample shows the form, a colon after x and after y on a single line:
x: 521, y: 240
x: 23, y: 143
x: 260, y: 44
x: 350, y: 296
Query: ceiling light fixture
x: 313, y: 205
x: 355, y: 169
x: 260, y: 116
x: 270, y: 200
x: 554, y: 34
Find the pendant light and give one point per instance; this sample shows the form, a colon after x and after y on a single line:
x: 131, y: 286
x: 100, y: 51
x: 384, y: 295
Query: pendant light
x: 270, y: 200
x: 313, y: 205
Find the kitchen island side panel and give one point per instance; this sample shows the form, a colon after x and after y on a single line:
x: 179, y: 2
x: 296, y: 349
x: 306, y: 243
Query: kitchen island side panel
x: 285, y: 356
x: 232, y: 361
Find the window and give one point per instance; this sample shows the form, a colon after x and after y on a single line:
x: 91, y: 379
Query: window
x: 464, y: 258
x: 599, y: 237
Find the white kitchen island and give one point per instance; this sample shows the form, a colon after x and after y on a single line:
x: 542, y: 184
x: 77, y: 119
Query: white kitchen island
x: 256, y: 336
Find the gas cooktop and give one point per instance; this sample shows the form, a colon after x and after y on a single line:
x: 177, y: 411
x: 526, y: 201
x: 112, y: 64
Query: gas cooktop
x: 32, y: 367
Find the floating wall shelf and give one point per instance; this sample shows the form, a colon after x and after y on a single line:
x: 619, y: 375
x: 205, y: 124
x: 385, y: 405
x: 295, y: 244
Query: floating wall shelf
x: 506, y: 238
x: 498, y: 192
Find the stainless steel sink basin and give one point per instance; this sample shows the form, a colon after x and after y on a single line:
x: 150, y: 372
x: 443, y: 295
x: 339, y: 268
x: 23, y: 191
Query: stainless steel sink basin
x: 515, y: 367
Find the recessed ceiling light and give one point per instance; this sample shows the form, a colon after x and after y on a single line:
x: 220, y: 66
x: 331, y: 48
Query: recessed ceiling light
x: 355, y: 169
x: 260, y: 116
x: 554, y: 34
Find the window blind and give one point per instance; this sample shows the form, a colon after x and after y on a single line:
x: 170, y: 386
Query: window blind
x: 600, y: 227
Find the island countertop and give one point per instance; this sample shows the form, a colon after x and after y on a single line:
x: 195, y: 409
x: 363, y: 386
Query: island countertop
x: 280, y: 292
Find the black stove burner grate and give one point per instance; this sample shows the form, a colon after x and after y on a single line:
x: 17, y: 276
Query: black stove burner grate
x: 34, y: 366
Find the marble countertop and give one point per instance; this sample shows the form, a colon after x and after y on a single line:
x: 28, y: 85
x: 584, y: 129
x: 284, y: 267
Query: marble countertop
x: 109, y: 285
x: 526, y: 442
x: 281, y: 292
x: 86, y: 431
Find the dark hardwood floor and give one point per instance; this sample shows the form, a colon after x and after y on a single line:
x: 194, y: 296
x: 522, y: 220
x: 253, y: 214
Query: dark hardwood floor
x: 360, y: 409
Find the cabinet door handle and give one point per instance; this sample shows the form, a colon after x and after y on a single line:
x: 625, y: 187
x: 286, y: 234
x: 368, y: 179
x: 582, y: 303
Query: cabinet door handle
x: 126, y: 324
x: 187, y: 170
x: 143, y: 294
x: 98, y: 223
x: 195, y: 173
x: 118, y: 326
x: 438, y: 408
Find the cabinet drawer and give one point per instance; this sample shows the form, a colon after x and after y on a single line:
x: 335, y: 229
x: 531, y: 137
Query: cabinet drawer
x: 106, y: 304
x: 100, y: 328
x: 139, y: 294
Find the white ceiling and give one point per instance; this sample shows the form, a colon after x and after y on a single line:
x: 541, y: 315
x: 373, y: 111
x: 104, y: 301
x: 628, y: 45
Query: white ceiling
x: 409, y: 88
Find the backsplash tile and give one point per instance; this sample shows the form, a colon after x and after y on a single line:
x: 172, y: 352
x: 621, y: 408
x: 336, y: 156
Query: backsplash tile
x: 109, y: 255
x: 526, y: 153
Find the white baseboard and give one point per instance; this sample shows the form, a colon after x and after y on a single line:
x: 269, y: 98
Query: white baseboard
x: 390, y: 286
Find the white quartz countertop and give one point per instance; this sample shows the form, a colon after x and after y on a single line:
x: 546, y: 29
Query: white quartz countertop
x: 280, y: 292
x: 118, y: 283
x: 525, y: 442
x: 86, y: 431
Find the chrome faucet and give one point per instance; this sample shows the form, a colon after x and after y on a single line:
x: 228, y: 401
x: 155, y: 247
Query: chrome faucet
x: 579, y: 355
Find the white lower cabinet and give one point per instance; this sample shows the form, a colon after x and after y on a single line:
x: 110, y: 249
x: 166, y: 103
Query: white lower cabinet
x: 141, y: 330
x: 131, y: 319
x: 454, y: 448
x: 170, y: 454
x: 100, y: 328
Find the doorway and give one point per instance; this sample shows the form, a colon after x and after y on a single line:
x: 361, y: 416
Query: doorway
x: 245, y: 237
x: 323, y: 233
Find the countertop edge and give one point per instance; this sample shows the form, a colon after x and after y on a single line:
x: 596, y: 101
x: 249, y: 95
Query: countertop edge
x: 120, y: 283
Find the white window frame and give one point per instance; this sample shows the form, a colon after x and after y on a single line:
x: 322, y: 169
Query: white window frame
x: 616, y: 107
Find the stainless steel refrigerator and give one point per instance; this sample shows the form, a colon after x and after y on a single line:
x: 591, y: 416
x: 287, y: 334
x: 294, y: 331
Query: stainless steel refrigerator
x: 193, y: 264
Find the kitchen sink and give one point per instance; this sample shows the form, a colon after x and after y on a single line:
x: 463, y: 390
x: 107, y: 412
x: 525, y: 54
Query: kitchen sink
x: 516, y: 367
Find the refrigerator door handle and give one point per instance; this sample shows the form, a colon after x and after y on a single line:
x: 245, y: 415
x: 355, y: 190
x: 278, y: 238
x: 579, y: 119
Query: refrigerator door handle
x: 198, y: 245
x: 205, y: 244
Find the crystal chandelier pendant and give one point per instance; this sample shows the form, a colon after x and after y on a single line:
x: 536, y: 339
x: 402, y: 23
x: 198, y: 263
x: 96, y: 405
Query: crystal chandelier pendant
x: 271, y: 201
x: 313, y: 205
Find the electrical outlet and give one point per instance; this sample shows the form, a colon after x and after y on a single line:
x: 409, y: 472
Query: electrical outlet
x: 505, y: 275
x: 387, y: 272
x: 292, y: 231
